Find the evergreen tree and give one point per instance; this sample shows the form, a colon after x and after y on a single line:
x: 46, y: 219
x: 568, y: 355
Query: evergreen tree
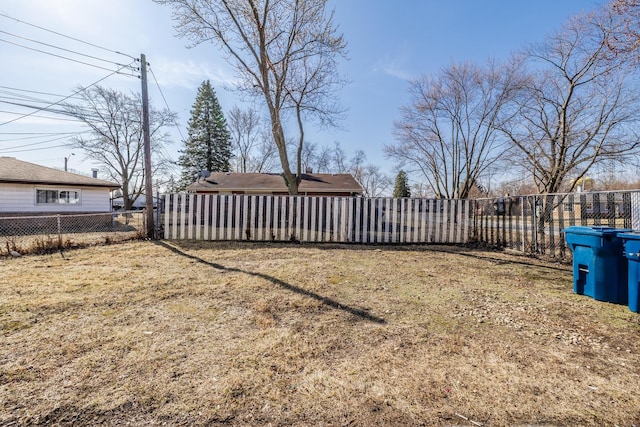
x: 401, y: 188
x: 208, y: 146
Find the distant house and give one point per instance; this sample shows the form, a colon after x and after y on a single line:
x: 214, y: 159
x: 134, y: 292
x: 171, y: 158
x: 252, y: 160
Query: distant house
x: 270, y: 183
x: 27, y: 189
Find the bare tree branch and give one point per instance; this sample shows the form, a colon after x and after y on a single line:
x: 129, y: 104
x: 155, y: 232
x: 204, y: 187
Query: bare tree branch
x: 283, y: 50
x: 116, y: 142
x: 580, y: 108
x: 448, y: 132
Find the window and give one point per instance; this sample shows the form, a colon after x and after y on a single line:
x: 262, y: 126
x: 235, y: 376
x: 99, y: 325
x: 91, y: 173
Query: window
x: 69, y: 196
x: 57, y: 197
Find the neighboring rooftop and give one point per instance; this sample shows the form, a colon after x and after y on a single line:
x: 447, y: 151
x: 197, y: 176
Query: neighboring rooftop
x: 274, y: 183
x: 17, y: 171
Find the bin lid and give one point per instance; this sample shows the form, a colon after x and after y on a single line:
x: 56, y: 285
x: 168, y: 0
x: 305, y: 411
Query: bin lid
x: 632, y: 235
x: 596, y: 230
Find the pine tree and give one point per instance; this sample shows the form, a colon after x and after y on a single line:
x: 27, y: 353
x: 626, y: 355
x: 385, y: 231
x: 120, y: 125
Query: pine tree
x: 401, y: 188
x: 208, y: 146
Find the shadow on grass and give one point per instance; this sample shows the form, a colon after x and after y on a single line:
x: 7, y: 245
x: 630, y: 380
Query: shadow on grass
x: 464, y: 250
x: 484, y: 255
x: 325, y: 300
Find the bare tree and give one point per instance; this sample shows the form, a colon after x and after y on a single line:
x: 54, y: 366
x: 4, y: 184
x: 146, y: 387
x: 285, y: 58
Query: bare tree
x: 316, y: 158
x: 577, y: 108
x: 266, y: 158
x: 373, y: 181
x: 324, y: 159
x: 331, y: 159
x: 244, y: 126
x: 282, y: 50
x: 254, y: 151
x: 625, y: 37
x: 116, y: 141
x: 356, y: 163
x: 327, y: 159
x: 339, y: 159
x: 448, y: 132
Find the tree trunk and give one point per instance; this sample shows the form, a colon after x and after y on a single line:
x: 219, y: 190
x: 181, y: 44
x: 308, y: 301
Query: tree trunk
x: 290, y: 179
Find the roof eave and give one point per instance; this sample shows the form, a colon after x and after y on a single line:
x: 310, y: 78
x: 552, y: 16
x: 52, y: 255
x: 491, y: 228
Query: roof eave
x: 45, y: 182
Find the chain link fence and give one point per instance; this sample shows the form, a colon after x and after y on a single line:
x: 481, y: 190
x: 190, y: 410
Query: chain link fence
x: 534, y: 224
x: 46, y: 233
x: 531, y: 224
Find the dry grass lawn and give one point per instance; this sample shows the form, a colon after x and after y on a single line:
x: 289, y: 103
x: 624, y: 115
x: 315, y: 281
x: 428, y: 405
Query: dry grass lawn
x: 243, y: 334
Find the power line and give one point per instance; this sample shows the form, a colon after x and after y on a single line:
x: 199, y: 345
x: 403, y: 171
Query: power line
x: 23, y: 147
x: 51, y: 110
x: 68, y: 37
x: 61, y: 100
x: 15, y: 148
x: 71, y: 59
x: 43, y: 117
x: 32, y: 91
x: 94, y: 112
x: 59, y: 48
x: 34, y: 149
x: 34, y: 135
x: 165, y: 102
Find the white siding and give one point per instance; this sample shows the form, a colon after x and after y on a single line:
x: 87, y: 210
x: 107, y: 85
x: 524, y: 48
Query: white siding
x: 21, y: 198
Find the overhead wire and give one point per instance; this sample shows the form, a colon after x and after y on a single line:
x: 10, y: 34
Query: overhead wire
x: 35, y: 149
x: 59, y: 48
x: 74, y: 110
x: 62, y: 112
x: 43, y: 117
x: 34, y: 135
x: 14, y: 97
x: 49, y: 104
x: 30, y: 147
x: 73, y: 60
x: 68, y: 37
x: 165, y: 102
x: 32, y: 91
x: 18, y: 148
x: 61, y: 100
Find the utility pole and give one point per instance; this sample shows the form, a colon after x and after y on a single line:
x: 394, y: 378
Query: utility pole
x: 148, y: 188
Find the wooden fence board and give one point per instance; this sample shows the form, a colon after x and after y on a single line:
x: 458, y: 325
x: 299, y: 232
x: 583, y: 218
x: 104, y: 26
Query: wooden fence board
x: 315, y: 219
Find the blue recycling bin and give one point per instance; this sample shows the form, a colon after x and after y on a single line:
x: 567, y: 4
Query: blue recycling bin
x: 599, y: 263
x: 632, y: 252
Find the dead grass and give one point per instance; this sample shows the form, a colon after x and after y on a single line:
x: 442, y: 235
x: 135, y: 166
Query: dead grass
x: 247, y: 334
x: 40, y: 244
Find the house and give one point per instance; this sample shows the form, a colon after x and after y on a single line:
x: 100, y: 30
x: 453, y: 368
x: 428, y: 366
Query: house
x: 342, y: 184
x: 28, y: 189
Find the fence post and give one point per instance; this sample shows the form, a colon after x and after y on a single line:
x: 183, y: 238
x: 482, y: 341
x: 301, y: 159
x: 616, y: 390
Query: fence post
x: 158, y: 221
x: 535, y: 224
x: 630, y: 203
x: 59, y: 231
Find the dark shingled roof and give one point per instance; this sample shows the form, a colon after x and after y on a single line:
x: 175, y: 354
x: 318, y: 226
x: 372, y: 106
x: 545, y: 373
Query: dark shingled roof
x: 16, y: 171
x: 274, y: 183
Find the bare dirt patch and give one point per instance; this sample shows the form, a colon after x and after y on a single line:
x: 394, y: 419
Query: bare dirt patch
x: 247, y: 334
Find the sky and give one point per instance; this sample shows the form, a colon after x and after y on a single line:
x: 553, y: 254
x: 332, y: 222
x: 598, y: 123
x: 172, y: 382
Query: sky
x: 389, y: 43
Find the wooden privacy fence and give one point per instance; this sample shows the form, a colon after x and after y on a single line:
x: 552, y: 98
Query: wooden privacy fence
x: 315, y: 219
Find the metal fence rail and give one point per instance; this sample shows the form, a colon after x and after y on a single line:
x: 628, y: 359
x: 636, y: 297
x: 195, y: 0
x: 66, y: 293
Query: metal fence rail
x: 534, y: 224
x: 42, y: 233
